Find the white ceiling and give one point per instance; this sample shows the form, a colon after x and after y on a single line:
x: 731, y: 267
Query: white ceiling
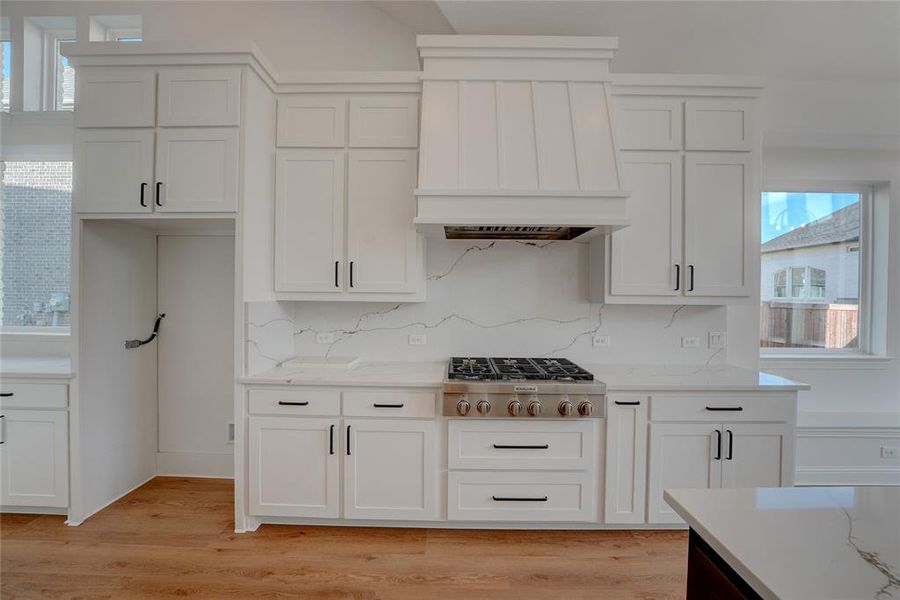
x: 800, y: 40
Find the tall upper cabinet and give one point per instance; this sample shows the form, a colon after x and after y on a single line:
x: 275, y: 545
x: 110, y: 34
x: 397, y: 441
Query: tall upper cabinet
x: 690, y: 155
x: 345, y: 174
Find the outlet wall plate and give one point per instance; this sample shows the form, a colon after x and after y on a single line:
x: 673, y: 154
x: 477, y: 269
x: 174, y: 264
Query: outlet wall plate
x: 601, y: 341
x: 324, y: 338
x: 890, y: 452
x: 417, y: 339
x: 690, y: 342
x: 717, y: 339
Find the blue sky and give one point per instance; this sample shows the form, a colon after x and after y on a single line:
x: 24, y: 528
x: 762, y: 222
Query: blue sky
x: 784, y: 211
x: 6, y: 46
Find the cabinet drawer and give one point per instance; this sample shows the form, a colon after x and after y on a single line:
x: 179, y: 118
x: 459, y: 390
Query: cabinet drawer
x: 520, y: 496
x: 537, y: 445
x: 312, y: 120
x: 649, y: 123
x: 295, y: 402
x: 723, y: 408
x: 718, y: 124
x: 33, y: 395
x: 115, y: 97
x: 199, y: 97
x: 384, y: 121
x: 389, y: 403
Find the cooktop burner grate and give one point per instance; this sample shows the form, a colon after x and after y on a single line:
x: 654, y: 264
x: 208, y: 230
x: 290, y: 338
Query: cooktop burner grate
x: 516, y: 369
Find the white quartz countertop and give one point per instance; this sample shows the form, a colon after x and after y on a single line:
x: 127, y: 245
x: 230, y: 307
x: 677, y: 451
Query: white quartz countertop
x: 36, y: 367
x: 616, y: 377
x: 802, y: 543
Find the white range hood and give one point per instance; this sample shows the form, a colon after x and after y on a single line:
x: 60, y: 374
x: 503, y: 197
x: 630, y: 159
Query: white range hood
x: 516, y: 139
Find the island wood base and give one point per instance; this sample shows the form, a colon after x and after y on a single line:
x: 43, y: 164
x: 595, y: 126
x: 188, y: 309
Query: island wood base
x: 710, y: 577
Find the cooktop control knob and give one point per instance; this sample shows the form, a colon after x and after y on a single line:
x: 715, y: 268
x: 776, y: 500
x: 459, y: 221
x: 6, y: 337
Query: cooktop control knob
x: 483, y: 407
x: 585, y: 409
x: 566, y: 408
x: 514, y: 407
x: 463, y: 407
x: 535, y: 408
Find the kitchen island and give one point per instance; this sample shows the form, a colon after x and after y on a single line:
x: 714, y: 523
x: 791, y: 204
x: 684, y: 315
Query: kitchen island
x: 792, y: 543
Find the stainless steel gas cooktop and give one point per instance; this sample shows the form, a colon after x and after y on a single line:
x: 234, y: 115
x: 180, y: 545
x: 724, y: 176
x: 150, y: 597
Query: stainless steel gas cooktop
x: 521, y: 387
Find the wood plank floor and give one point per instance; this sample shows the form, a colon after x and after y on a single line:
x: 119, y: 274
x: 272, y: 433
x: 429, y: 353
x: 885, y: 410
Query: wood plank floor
x: 174, y: 537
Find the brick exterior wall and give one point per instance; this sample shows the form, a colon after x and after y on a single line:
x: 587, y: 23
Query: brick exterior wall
x: 35, y: 242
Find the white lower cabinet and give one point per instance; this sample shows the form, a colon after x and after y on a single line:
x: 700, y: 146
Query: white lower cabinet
x: 34, y: 469
x: 626, y: 458
x: 757, y: 455
x: 521, y: 496
x: 389, y: 469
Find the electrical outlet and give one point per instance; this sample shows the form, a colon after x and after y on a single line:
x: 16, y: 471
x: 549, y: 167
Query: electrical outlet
x: 601, y: 341
x: 890, y: 452
x: 230, y: 434
x: 690, y: 342
x: 417, y: 339
x: 324, y: 338
x: 717, y: 339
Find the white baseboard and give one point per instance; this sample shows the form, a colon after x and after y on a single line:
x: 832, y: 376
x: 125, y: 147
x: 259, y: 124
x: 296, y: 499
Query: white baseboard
x: 188, y: 464
x: 846, y: 456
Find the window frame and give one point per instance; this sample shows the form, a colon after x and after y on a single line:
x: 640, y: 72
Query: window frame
x: 51, y: 39
x: 864, y: 325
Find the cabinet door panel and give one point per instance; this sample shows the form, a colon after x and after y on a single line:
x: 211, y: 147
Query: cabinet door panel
x: 626, y: 459
x: 382, y: 239
x: 294, y: 467
x: 719, y: 225
x: 389, y: 469
x: 115, y: 97
x: 719, y: 124
x: 309, y: 220
x: 644, y: 255
x: 681, y: 456
x: 198, y: 169
x: 648, y: 123
x: 34, y: 467
x: 110, y: 167
x: 200, y: 96
x: 384, y: 121
x: 313, y: 120
x: 756, y: 455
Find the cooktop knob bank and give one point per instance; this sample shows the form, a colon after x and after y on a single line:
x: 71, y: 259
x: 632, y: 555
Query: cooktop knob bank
x: 510, y: 388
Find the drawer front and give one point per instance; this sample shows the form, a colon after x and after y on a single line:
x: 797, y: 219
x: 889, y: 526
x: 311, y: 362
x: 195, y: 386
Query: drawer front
x: 295, y: 402
x: 719, y: 124
x: 520, y: 496
x: 198, y: 97
x: 723, y: 408
x: 389, y: 403
x: 33, y: 395
x: 384, y: 121
x: 312, y: 120
x: 536, y: 445
x: 649, y: 123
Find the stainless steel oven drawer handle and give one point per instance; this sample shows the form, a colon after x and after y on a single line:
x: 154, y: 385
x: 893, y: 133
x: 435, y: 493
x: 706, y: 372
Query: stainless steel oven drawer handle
x: 517, y: 499
x: 522, y: 446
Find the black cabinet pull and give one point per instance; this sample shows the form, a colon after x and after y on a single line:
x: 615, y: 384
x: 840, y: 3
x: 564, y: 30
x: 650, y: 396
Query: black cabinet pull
x: 691, y: 269
x: 677, y: 277
x: 286, y: 403
x: 6, y: 394
x: 730, y: 444
x: 718, y: 445
x: 158, y: 185
x: 143, y: 187
x: 336, y: 263
x: 627, y: 403
x: 377, y: 405
x: 515, y: 499
x: 725, y: 408
x: 348, y: 440
x: 522, y: 446
x: 331, y: 440
x: 351, y: 273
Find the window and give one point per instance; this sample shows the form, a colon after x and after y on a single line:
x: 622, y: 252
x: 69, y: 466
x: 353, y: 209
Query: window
x: 35, y: 234
x: 812, y: 265
x: 116, y: 28
x: 5, y: 63
x: 63, y: 75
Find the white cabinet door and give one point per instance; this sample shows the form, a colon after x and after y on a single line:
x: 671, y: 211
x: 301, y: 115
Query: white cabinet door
x: 309, y: 220
x: 294, y: 467
x: 389, y: 469
x: 682, y: 455
x: 200, y: 96
x: 648, y: 123
x: 757, y: 455
x: 645, y: 257
x: 626, y: 459
x: 383, y: 244
x: 115, y: 97
x: 384, y: 121
x: 718, y: 223
x: 113, y: 170
x: 719, y: 124
x: 197, y: 169
x: 312, y: 120
x: 34, y: 466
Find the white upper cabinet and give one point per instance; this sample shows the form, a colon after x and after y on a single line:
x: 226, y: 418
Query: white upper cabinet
x: 382, y: 240
x: 196, y: 169
x: 115, y: 97
x: 312, y: 120
x: 113, y: 170
x: 191, y: 97
x: 649, y: 123
x: 719, y: 227
x: 384, y: 121
x: 719, y: 124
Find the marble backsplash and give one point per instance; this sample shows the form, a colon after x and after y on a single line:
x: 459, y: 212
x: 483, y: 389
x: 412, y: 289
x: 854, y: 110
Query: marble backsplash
x: 487, y: 298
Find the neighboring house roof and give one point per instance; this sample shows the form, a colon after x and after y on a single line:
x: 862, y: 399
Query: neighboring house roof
x: 840, y: 226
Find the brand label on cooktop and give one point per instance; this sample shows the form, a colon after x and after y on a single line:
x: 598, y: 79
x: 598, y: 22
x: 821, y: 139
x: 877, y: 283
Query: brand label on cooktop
x: 526, y: 388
